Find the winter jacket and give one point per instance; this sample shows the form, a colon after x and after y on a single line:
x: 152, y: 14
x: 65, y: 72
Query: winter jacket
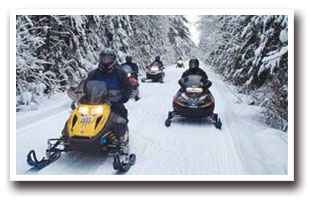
x: 116, y: 81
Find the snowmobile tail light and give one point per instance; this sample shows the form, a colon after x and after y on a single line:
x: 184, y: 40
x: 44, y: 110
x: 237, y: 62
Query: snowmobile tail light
x: 97, y: 110
x: 194, y: 89
x: 83, y: 110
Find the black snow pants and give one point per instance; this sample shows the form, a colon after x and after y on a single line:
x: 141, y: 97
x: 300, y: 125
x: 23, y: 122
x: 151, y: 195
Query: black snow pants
x: 120, y: 119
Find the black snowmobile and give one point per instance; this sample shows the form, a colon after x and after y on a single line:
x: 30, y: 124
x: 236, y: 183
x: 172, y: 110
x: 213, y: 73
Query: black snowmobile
x: 154, y: 73
x: 90, y: 128
x: 194, y: 100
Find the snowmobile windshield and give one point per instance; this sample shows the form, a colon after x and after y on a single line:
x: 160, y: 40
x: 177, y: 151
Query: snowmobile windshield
x: 76, y: 93
x: 96, y: 92
x: 191, y: 81
x: 127, y: 68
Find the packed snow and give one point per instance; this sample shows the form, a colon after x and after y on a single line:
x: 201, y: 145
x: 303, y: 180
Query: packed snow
x: 245, y: 145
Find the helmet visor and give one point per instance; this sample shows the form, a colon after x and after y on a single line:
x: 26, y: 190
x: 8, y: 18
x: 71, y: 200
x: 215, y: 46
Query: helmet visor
x: 193, y: 65
x: 107, y: 59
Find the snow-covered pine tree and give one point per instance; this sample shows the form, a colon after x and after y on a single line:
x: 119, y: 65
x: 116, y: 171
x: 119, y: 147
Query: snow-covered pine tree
x: 179, y: 38
x: 54, y: 51
x: 251, y: 52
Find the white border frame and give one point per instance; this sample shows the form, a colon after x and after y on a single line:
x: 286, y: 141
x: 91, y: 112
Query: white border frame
x: 152, y: 11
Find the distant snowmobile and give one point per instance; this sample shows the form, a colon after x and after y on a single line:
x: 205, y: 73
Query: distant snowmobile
x: 180, y: 64
x: 133, y: 77
x: 155, y: 73
x: 194, y: 100
x: 90, y: 129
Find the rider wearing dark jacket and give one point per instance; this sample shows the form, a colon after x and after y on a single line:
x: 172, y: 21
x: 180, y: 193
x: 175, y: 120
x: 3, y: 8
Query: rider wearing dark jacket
x: 158, y: 62
x: 134, y: 66
x: 116, y: 80
x: 195, y: 70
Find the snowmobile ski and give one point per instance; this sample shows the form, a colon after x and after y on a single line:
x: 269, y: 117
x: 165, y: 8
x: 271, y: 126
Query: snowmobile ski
x: 52, y: 154
x: 194, y: 100
x: 122, y: 166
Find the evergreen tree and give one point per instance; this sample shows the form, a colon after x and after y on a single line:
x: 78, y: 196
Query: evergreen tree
x: 54, y: 51
x: 251, y: 52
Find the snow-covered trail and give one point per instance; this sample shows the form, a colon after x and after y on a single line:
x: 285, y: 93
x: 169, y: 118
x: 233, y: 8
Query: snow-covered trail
x: 244, y: 145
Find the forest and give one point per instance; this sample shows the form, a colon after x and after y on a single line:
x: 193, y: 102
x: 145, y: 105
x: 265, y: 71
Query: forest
x: 54, y: 52
x: 251, y: 52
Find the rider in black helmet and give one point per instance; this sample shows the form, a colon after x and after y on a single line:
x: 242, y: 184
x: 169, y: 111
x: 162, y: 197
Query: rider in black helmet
x: 119, y: 91
x: 157, y: 62
x: 195, y: 70
x: 134, y: 73
x: 116, y: 80
x: 134, y: 66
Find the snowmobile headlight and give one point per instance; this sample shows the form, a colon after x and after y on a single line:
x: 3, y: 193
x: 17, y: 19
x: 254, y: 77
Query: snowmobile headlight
x: 83, y: 110
x: 180, y: 62
x: 194, y: 89
x: 154, y: 68
x: 97, y: 110
x: 129, y: 74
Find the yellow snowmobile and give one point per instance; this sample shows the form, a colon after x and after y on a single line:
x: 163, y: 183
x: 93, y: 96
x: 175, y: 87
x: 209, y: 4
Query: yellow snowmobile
x: 91, y: 127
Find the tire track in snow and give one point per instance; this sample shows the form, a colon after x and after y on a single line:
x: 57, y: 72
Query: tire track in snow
x: 244, y: 125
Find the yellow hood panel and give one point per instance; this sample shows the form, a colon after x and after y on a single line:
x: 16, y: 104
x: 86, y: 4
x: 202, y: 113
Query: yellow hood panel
x: 88, y: 120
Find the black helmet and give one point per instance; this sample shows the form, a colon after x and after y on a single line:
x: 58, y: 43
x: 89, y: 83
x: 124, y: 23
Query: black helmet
x: 157, y: 58
x: 128, y: 59
x: 107, y: 59
x: 193, y: 63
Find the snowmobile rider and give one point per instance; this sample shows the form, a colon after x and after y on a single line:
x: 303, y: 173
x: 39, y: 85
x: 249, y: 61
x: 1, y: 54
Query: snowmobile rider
x: 195, y: 70
x: 116, y: 79
x: 157, y: 62
x: 180, y: 62
x: 134, y: 66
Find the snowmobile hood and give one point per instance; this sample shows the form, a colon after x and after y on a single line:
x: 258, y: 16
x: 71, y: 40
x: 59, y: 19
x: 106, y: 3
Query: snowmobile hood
x: 86, y: 121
